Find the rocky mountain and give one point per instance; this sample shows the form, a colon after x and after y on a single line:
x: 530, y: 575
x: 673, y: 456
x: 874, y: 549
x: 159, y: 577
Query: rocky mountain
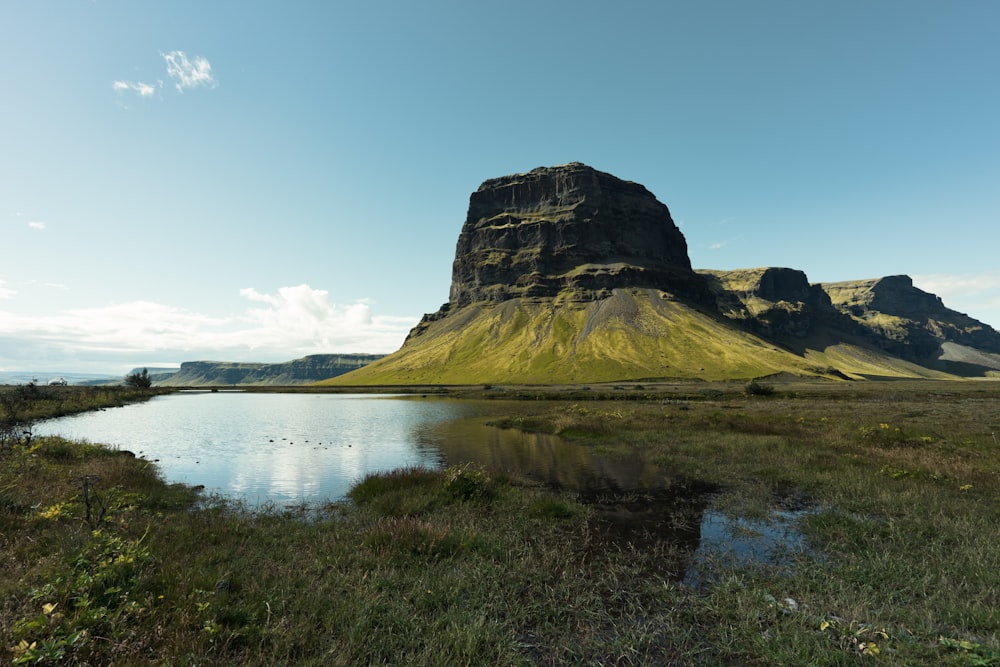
x: 570, y: 275
x: 916, y: 325
x: 888, y: 314
x: 569, y: 230
x: 774, y: 302
x: 299, y: 371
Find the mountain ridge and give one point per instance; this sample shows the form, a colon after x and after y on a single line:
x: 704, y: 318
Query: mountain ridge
x: 567, y: 274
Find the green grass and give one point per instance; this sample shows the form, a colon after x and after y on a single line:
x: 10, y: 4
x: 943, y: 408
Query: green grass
x: 32, y: 402
x: 635, y: 334
x: 468, y: 566
x: 906, y: 485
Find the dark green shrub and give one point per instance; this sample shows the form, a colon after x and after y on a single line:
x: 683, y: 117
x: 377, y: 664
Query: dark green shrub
x: 754, y: 388
x: 139, y: 379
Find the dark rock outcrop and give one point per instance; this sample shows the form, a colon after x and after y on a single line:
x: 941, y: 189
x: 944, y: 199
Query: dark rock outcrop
x: 568, y: 229
x: 888, y: 314
x: 908, y: 322
x: 775, y: 302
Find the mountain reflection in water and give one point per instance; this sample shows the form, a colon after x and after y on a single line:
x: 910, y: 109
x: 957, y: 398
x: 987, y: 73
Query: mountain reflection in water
x: 635, y: 502
x: 548, y: 459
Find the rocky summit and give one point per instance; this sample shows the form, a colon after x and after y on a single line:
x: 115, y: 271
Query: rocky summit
x: 568, y: 274
x: 568, y: 230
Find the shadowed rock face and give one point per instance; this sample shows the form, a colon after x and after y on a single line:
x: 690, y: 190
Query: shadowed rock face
x: 907, y: 321
x: 781, y: 284
x: 774, y: 302
x: 568, y: 227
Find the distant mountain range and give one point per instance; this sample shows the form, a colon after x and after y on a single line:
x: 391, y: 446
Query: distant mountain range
x: 570, y: 275
x: 219, y: 373
x: 312, y: 368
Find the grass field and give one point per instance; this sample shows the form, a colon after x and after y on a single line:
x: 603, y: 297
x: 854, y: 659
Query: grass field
x: 106, y: 564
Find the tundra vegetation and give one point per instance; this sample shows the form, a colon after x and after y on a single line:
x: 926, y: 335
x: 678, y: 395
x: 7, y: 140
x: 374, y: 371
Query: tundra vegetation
x: 105, y: 563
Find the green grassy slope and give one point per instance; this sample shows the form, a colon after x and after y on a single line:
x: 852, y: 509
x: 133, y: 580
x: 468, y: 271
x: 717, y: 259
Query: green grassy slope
x: 632, y: 335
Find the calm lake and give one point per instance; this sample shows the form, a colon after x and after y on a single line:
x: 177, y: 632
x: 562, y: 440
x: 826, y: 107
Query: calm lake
x: 293, y: 448
x: 290, y: 448
x: 284, y: 448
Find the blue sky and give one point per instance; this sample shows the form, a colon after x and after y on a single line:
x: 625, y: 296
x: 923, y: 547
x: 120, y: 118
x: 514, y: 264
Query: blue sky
x: 262, y: 180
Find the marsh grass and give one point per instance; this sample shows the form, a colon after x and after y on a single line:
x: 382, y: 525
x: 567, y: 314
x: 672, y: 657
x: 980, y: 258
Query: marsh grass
x: 463, y: 566
x: 908, y: 564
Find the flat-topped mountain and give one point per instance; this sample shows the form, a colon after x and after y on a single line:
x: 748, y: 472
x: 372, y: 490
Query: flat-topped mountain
x: 567, y: 230
x: 308, y: 369
x: 570, y: 275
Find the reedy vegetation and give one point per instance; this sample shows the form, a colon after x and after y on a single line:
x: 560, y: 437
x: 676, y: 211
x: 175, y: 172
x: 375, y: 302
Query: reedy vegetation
x: 466, y: 566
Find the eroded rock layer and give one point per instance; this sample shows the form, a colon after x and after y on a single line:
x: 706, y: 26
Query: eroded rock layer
x: 568, y: 229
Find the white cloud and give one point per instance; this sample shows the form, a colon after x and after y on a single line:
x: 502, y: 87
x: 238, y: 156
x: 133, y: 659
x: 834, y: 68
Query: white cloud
x: 139, y: 88
x: 6, y: 292
x: 37, y: 224
x: 292, y: 323
x: 958, y: 284
x: 184, y: 72
x: 187, y: 73
x: 307, y: 317
x: 977, y: 294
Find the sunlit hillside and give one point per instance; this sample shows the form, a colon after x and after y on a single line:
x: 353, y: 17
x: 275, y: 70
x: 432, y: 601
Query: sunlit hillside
x: 636, y: 334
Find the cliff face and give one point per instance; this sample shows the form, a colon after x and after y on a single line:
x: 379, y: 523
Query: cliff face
x: 911, y: 323
x: 888, y: 314
x: 774, y: 302
x: 568, y: 229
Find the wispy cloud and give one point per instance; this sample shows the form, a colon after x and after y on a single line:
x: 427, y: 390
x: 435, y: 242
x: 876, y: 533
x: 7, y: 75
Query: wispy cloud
x: 957, y: 284
x: 6, y: 292
x: 291, y: 323
x: 719, y: 245
x: 307, y: 316
x: 138, y: 87
x: 188, y: 73
x: 37, y: 224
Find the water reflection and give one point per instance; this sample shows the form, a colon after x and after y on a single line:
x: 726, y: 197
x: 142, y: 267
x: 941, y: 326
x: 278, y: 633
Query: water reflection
x: 548, y: 459
x: 635, y: 502
x: 268, y: 447
x: 738, y: 541
x: 290, y: 448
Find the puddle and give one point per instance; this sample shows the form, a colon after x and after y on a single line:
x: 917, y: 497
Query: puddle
x: 737, y: 541
x: 637, y: 504
x: 692, y: 540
